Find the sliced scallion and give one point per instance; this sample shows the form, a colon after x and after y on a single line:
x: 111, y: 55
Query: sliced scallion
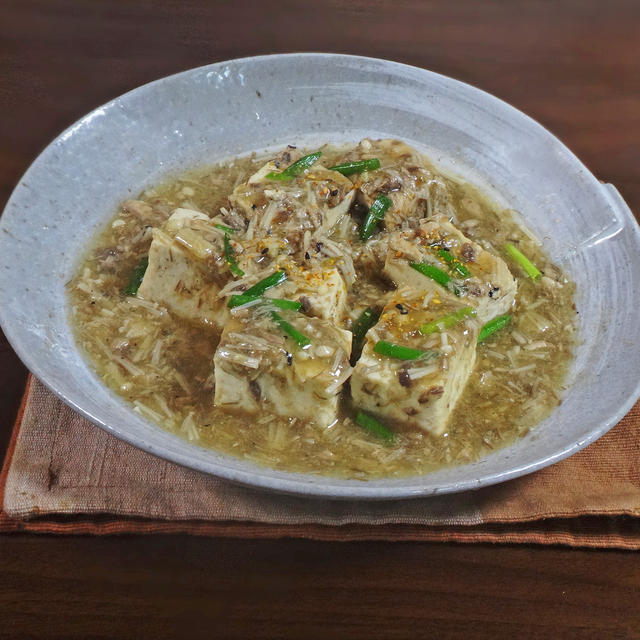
x: 357, y: 166
x: 230, y: 257
x: 376, y: 213
x: 273, y: 280
x: 136, y: 277
x: 432, y: 272
x: 492, y: 326
x: 225, y: 228
x: 446, y: 322
x: 290, y: 330
x: 397, y: 351
x: 240, y: 300
x: 375, y: 427
x: 296, y: 168
x: 365, y: 321
x: 292, y: 305
x: 531, y: 270
x: 454, y: 263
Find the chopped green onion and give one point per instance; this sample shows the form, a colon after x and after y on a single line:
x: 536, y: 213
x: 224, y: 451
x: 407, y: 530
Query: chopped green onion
x: 293, y: 305
x: 296, y: 168
x: 240, y: 300
x: 380, y: 206
x: 368, y: 227
x: 492, y: 326
x: 273, y: 280
x: 136, y: 277
x: 397, y: 351
x: 376, y: 213
x: 374, y: 426
x: 365, y: 321
x: 454, y: 263
x: 225, y: 228
x: 531, y: 270
x: 446, y: 322
x: 230, y: 257
x: 358, y: 166
x: 432, y: 272
x: 290, y: 330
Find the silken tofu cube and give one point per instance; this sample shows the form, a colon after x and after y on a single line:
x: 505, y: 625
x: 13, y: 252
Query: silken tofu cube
x: 259, y: 367
x: 490, y: 287
x: 314, y: 201
x: 421, y: 392
x: 186, y: 268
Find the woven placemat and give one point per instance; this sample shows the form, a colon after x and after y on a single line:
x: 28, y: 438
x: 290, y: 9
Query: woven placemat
x: 64, y: 475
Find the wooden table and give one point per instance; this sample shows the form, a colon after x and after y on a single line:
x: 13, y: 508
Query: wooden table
x: 572, y: 65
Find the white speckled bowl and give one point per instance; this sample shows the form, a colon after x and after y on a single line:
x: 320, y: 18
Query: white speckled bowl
x: 235, y: 107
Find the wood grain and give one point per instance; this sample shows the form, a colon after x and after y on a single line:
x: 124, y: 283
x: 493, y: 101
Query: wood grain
x: 572, y: 65
x: 164, y: 586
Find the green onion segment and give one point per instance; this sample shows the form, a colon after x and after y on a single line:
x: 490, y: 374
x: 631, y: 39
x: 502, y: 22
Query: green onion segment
x: 373, y: 426
x: 446, y: 322
x: 290, y: 330
x: 230, y: 257
x: 531, y: 270
x: 454, y: 263
x: 296, y: 168
x: 376, y: 213
x: 136, y: 277
x: 365, y: 321
x: 273, y: 280
x: 225, y: 228
x: 289, y: 305
x: 292, y: 305
x: 397, y: 351
x: 357, y: 166
x: 492, y: 326
x: 432, y: 272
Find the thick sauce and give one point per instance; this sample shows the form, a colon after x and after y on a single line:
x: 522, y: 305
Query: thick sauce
x: 163, y: 365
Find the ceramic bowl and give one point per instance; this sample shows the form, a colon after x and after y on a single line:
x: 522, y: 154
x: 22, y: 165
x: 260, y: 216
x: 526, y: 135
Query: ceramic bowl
x: 222, y: 110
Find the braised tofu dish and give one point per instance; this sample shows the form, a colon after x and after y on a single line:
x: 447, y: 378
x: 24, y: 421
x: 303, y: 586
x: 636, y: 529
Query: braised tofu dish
x: 347, y: 311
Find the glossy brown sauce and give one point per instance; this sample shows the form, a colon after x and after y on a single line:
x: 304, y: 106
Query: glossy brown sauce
x: 517, y: 380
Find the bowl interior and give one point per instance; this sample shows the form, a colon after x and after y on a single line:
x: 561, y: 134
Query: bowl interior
x: 227, y: 109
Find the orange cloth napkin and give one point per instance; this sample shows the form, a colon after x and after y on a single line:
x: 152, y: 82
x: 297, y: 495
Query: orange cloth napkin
x: 64, y: 475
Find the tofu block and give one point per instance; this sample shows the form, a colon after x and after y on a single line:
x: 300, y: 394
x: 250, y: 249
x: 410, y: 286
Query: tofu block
x: 402, y: 177
x: 316, y: 282
x: 258, y: 368
x: 314, y: 201
x: 490, y: 288
x: 186, y: 268
x: 422, y: 392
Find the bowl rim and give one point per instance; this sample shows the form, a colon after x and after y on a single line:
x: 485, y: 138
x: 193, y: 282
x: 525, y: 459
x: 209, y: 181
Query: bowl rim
x: 311, y: 485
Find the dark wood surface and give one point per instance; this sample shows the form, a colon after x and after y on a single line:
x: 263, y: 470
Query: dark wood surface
x: 572, y: 65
